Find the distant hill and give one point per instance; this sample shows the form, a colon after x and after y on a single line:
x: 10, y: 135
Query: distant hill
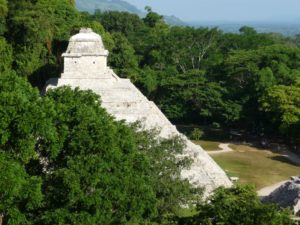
x: 121, y: 6
x: 174, y: 21
x: 107, y: 5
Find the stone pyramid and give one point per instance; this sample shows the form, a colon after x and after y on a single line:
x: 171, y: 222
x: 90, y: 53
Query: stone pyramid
x: 85, y: 66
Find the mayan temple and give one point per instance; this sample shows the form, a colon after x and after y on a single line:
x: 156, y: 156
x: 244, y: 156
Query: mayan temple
x: 85, y: 66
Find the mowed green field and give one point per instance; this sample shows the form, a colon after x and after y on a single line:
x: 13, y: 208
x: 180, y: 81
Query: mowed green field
x: 255, y: 166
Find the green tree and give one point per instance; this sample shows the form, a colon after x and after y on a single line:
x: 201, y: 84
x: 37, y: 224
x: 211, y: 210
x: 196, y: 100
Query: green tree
x: 197, y: 99
x: 238, y: 206
x: 123, y: 57
x: 251, y: 72
x: 107, y: 173
x: 188, y: 48
x: 148, y: 80
x: 245, y: 30
x: 196, y: 134
x: 3, y: 14
x: 25, y: 131
x: 98, y: 177
x: 3, y: 8
x: 282, y: 104
x: 123, y: 22
x: 35, y: 30
x: 171, y: 191
x: 152, y: 18
x: 6, y: 57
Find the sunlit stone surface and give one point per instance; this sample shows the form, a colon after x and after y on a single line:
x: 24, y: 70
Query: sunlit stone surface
x: 287, y: 195
x: 85, y: 66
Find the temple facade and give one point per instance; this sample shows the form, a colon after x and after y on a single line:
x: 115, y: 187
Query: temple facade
x: 85, y: 66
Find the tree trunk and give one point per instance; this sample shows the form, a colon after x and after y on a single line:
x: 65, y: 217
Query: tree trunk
x: 1, y: 218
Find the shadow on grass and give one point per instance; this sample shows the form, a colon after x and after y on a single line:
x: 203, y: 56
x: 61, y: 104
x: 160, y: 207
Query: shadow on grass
x: 283, y: 159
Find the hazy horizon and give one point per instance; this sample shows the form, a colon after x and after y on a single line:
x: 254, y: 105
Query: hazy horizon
x: 226, y: 10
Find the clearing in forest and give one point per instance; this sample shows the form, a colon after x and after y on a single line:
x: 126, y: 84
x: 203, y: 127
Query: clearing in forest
x: 260, y: 167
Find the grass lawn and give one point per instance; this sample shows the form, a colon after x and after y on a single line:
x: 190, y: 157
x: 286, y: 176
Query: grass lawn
x: 254, y: 166
x: 208, y: 145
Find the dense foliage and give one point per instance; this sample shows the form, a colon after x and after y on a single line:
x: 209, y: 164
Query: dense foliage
x: 237, y: 206
x: 207, y: 77
x: 64, y: 160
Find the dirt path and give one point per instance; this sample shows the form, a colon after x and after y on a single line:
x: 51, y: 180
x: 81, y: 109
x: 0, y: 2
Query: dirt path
x: 269, y: 189
x: 224, y: 149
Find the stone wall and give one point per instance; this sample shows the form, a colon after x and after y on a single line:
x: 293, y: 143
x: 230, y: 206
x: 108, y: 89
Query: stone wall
x: 287, y: 195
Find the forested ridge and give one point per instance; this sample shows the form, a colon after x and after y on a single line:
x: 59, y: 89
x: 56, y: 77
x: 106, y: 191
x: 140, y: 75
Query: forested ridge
x: 64, y: 160
x: 202, y: 76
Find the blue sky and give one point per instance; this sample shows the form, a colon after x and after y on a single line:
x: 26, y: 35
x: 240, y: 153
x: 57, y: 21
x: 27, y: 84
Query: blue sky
x: 226, y: 10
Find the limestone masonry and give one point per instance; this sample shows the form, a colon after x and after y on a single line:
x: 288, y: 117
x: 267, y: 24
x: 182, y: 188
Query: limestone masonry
x: 287, y: 195
x: 85, y: 66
